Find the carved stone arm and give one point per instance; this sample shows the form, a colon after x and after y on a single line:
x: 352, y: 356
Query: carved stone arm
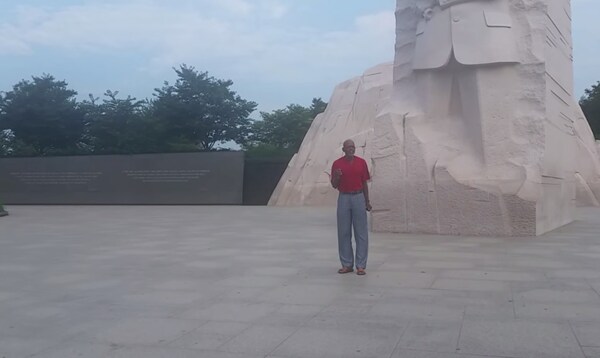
x: 446, y: 3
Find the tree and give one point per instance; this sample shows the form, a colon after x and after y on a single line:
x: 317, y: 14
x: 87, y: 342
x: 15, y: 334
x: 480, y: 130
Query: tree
x: 282, y: 131
x: 6, y: 136
x: 42, y: 115
x: 10, y: 146
x: 120, y: 126
x: 200, y: 111
x: 6, y: 141
x: 590, y: 104
x: 317, y: 107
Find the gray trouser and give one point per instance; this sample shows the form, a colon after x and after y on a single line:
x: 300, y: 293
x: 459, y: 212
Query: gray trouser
x: 351, y: 212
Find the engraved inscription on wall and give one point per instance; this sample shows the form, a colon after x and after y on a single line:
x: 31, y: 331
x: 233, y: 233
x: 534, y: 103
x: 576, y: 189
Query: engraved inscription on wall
x: 144, y: 179
x: 55, y: 178
x: 166, y: 176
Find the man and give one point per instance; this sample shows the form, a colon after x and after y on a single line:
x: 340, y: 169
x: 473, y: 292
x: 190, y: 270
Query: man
x: 349, y: 175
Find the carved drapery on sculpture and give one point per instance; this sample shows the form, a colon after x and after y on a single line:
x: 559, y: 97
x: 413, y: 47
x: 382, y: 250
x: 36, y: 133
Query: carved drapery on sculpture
x: 480, y: 134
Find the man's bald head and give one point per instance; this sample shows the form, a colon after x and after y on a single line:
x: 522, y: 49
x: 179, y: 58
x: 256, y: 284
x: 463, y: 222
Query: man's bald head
x: 349, y: 148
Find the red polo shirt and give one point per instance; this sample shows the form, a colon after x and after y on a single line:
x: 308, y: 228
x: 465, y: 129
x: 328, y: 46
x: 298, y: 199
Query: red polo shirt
x: 354, y: 174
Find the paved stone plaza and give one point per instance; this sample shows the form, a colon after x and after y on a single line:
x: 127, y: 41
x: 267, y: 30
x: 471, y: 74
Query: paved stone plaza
x: 250, y: 282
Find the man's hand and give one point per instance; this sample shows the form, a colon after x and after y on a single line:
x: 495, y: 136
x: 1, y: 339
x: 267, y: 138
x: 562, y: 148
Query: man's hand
x: 369, y: 207
x: 335, y: 177
x: 337, y: 174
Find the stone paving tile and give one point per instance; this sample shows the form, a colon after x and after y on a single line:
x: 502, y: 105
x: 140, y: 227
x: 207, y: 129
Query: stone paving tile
x: 581, y: 295
x: 469, y: 285
x: 260, y: 281
x: 432, y: 335
x: 490, y: 305
x: 395, y: 266
x: 303, y: 294
x: 239, y: 294
x: 447, y: 265
x: 161, y: 297
x: 350, y: 308
x: 442, y: 256
x: 200, y: 341
x: 411, y: 311
x: 292, y: 315
x: 177, y: 284
x: 400, y: 279
x: 225, y: 328
x: 362, y: 321
x: 159, y: 352
x: 100, y: 310
x: 343, y: 343
x: 542, y: 264
x: 558, y: 311
x: 144, y: 331
x: 258, y: 340
x: 210, y: 335
x: 591, y: 274
x: 518, y: 338
x: 246, y: 312
x: 591, y: 352
x: 18, y: 326
x: 479, y: 274
x: 411, y: 353
x: 588, y: 333
x: 78, y: 349
x: 595, y: 285
x: 274, y: 271
x: 11, y: 347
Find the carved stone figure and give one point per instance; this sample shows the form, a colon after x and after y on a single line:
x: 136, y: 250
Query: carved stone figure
x: 480, y: 133
x: 473, y: 31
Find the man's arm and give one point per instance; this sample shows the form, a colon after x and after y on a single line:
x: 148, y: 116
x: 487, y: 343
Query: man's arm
x: 366, y: 194
x: 336, y: 175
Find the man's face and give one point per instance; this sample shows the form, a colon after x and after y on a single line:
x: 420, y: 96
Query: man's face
x: 349, y: 148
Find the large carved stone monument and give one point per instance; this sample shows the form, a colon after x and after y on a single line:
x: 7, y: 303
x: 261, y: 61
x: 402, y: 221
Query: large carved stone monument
x: 477, y: 131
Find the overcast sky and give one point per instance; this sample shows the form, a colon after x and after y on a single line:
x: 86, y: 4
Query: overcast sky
x: 276, y: 52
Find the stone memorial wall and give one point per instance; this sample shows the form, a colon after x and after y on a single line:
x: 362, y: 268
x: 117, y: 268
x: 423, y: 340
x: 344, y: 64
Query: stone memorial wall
x: 182, y: 178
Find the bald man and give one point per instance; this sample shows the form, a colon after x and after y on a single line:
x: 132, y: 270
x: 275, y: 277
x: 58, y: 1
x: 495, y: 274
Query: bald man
x: 349, y: 175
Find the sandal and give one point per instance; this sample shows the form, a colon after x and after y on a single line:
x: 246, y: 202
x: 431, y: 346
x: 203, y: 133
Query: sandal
x: 345, y: 270
x: 360, y: 271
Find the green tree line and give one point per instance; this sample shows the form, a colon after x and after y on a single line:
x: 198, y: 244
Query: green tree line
x: 42, y: 117
x: 590, y: 104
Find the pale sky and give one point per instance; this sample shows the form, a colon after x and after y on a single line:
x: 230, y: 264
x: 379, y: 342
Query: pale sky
x: 276, y: 52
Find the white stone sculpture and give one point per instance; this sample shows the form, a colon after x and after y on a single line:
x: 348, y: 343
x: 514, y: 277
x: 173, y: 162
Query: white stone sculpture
x: 480, y: 133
